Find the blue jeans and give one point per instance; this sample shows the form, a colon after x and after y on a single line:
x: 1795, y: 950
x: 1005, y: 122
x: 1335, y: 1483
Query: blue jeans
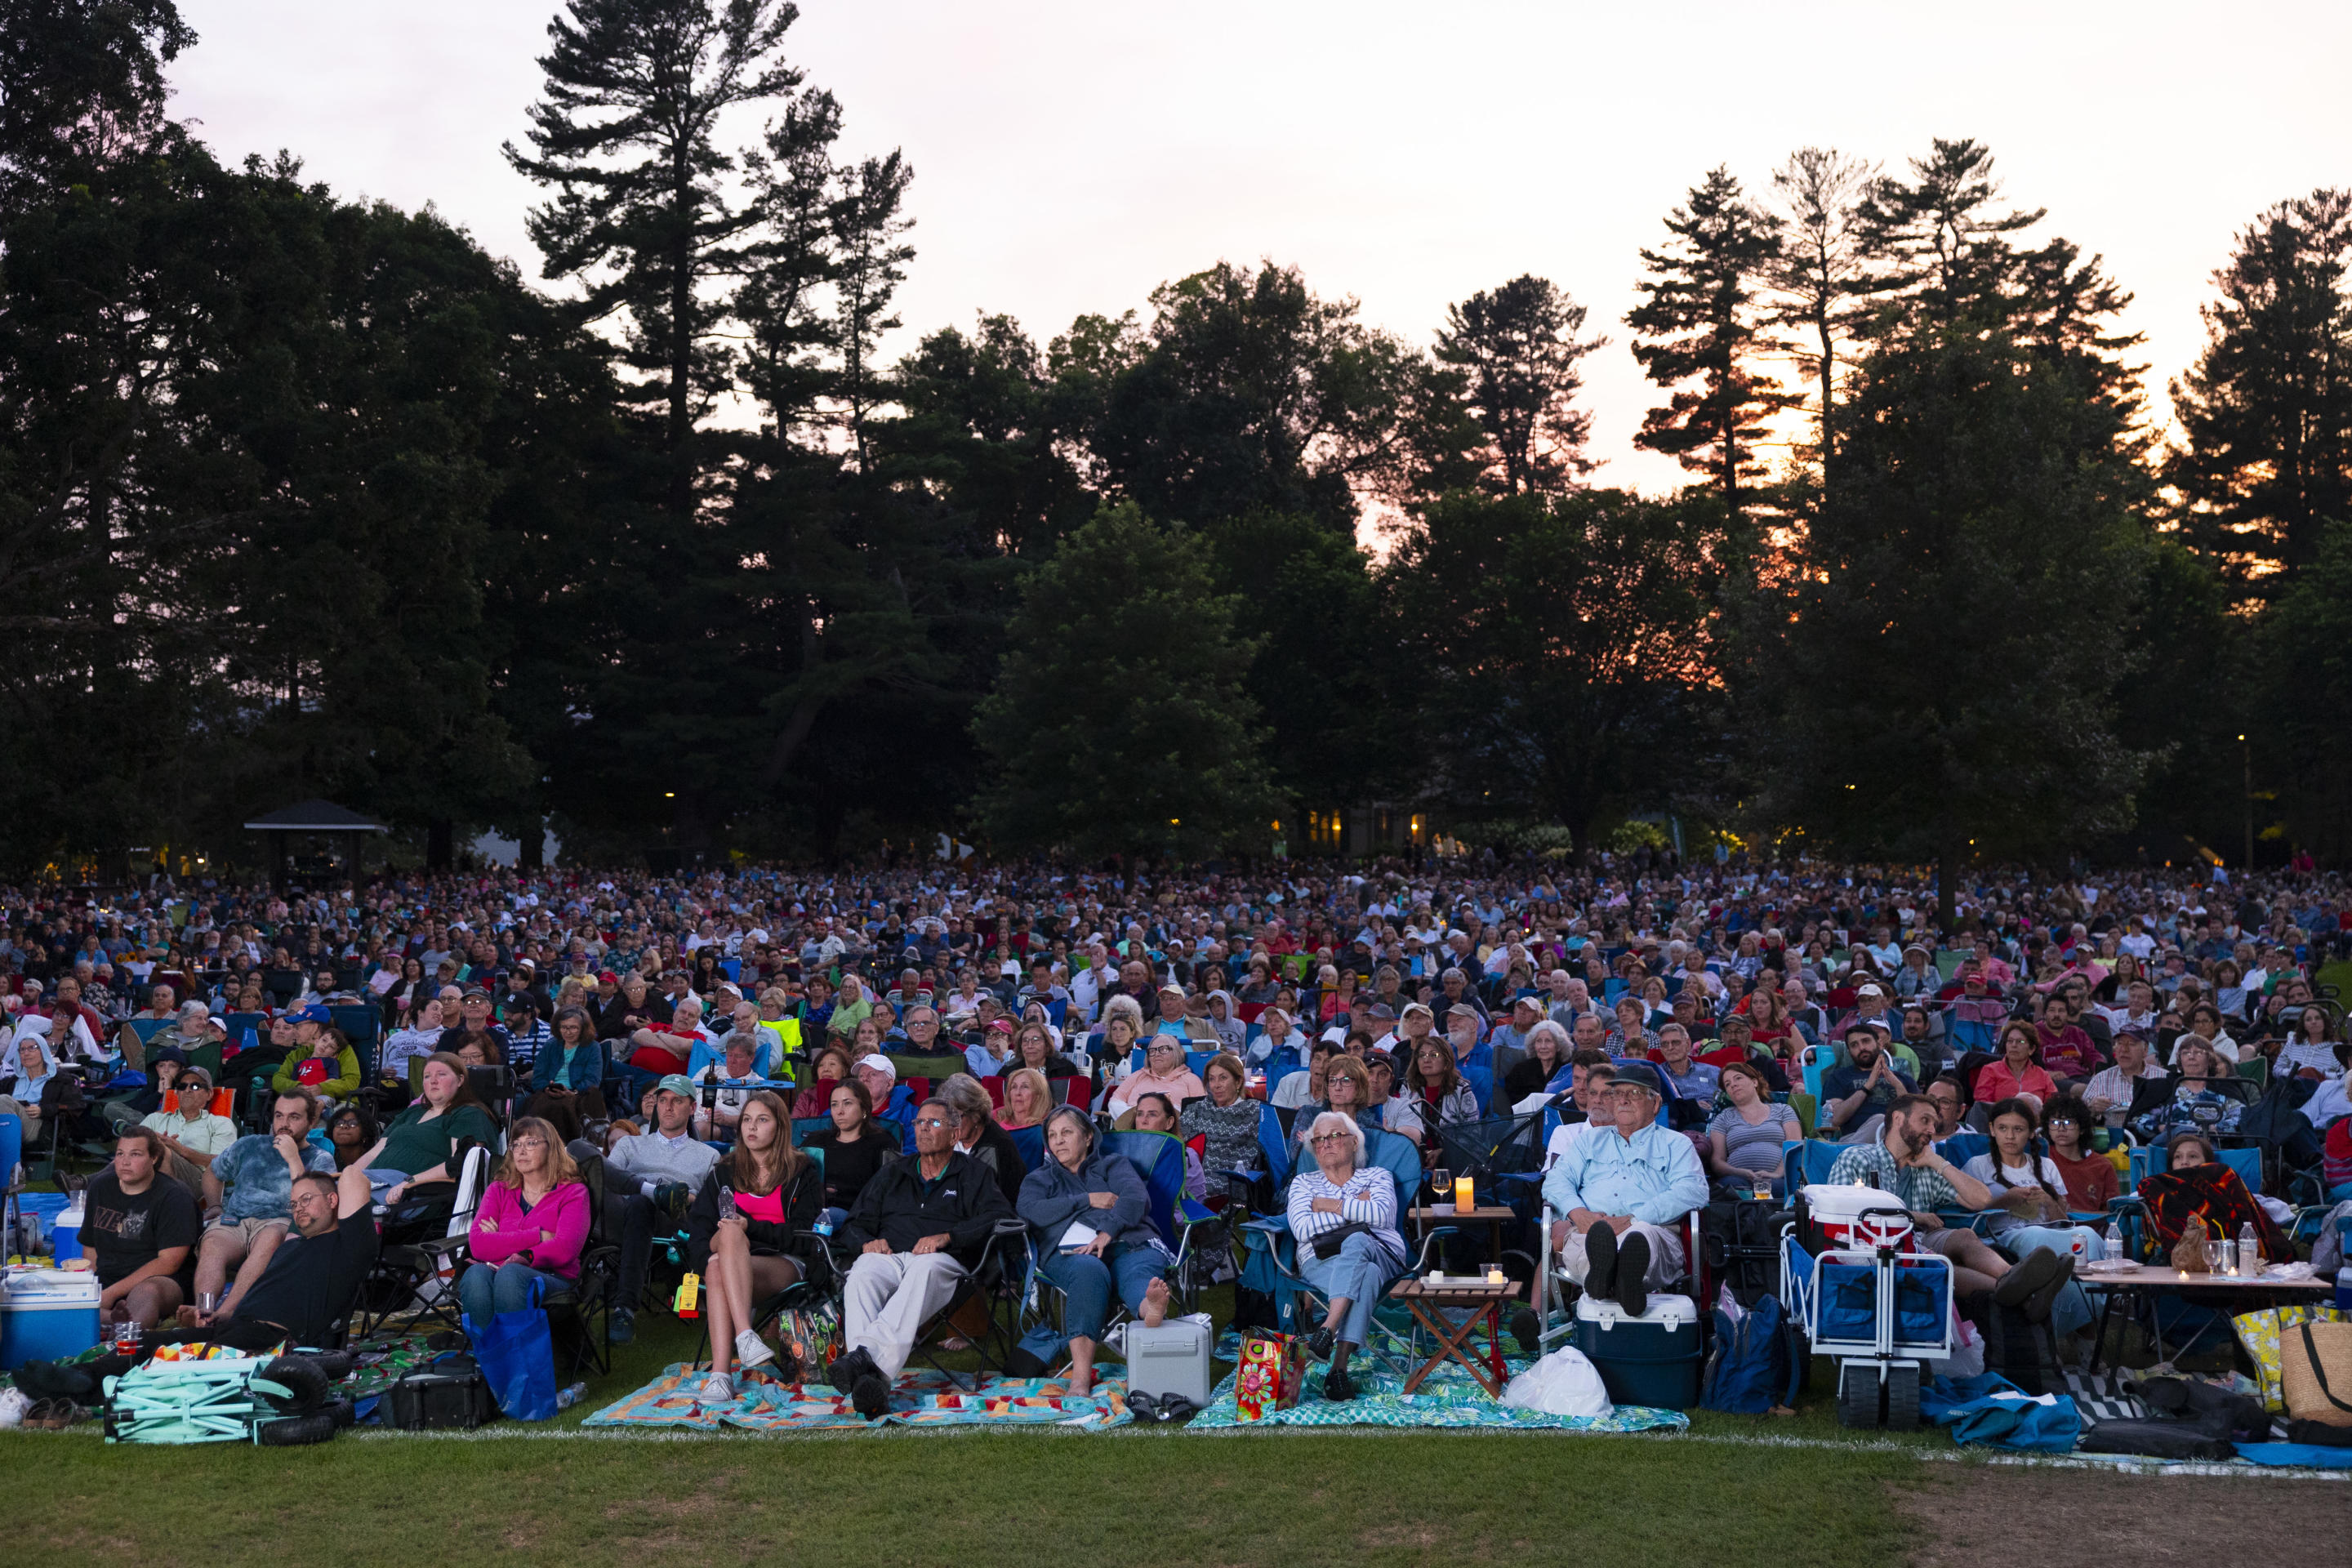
x: 1085, y: 1284
x: 2071, y: 1310
x: 486, y: 1289
x: 1360, y: 1271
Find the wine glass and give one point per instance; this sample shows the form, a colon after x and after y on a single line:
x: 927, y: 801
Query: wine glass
x: 1441, y: 1181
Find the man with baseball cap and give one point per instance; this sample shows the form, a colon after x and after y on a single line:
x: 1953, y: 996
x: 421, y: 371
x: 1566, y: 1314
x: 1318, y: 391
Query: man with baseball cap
x: 1619, y: 1189
x: 893, y: 1101
x: 648, y: 1172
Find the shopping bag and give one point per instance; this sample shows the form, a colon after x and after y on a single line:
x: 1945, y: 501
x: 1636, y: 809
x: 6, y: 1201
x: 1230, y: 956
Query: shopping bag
x: 2259, y: 1333
x: 1272, y: 1368
x: 2316, y: 1373
x: 517, y: 1355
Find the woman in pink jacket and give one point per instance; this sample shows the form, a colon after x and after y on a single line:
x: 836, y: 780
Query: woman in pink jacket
x: 530, y: 1225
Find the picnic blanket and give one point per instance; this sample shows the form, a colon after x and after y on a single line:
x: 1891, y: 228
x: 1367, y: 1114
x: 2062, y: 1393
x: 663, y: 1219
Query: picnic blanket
x: 1451, y: 1398
x: 765, y: 1403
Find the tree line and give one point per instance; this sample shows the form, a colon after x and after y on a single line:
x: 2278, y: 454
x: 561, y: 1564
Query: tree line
x: 306, y: 497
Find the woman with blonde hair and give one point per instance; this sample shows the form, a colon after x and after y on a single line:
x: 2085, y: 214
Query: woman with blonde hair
x: 529, y: 1227
x: 1028, y: 1099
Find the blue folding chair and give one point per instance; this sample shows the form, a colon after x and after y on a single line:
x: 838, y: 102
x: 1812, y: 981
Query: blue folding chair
x: 1031, y: 1142
x: 1271, y: 1259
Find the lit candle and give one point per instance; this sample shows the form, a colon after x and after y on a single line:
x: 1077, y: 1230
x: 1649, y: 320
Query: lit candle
x: 1494, y: 1274
x: 1466, y: 1194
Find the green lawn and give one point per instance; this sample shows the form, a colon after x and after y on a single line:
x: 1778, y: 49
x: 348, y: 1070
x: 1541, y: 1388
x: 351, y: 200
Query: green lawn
x: 1295, y: 1499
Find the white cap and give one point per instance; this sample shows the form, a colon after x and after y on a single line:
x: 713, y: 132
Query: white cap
x: 879, y: 1063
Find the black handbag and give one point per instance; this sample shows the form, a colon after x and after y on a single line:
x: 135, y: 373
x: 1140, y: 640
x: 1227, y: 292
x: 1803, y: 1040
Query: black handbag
x: 1327, y: 1243
x: 451, y: 1395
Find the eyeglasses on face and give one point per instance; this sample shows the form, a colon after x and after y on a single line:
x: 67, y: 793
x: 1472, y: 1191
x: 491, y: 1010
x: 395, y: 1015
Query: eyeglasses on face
x: 1332, y: 1138
x: 933, y: 1121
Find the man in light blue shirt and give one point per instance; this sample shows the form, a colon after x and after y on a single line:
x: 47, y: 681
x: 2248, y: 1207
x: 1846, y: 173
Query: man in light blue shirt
x: 1621, y: 1187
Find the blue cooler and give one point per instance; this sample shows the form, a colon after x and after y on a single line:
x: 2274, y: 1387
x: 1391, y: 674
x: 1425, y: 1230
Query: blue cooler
x: 1652, y: 1360
x: 45, y: 1314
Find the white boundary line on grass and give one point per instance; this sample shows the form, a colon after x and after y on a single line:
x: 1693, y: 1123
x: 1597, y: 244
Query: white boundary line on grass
x: 2121, y: 1464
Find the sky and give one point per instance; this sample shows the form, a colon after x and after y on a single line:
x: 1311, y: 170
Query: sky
x: 1069, y: 157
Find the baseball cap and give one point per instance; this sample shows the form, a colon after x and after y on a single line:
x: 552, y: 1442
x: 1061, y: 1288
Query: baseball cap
x: 474, y: 991
x: 878, y: 1062
x: 1379, y: 1010
x: 1463, y: 1010
x: 607, y: 977
x: 1637, y: 1075
x: 675, y: 1083
x: 316, y: 1013
x: 1870, y: 990
x: 197, y: 1074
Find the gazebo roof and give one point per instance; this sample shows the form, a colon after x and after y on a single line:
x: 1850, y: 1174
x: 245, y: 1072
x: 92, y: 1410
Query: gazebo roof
x: 314, y: 817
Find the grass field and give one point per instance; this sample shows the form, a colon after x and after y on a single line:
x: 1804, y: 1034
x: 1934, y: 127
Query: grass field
x: 1734, y: 1491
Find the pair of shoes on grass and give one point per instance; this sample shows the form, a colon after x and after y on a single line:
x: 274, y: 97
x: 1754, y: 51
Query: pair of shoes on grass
x: 856, y: 1374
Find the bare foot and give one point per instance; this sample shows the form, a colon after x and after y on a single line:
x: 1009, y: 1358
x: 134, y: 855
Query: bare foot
x: 1155, y: 1304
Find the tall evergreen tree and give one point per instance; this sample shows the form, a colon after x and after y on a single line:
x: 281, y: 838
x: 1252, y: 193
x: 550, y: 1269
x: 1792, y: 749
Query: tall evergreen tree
x: 1822, y: 264
x: 1118, y: 722
x: 1948, y: 257
x: 1934, y: 679
x: 1517, y: 350
x: 2265, y: 458
x: 627, y: 134
x: 2303, y: 708
x: 81, y: 87
x: 1701, y: 326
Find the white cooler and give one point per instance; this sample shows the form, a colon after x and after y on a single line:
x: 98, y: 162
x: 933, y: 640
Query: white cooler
x: 1170, y: 1359
x: 45, y: 1314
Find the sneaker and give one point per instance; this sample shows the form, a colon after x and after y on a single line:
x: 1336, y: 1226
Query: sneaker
x: 1320, y: 1344
x: 870, y: 1394
x: 717, y: 1389
x: 847, y: 1368
x: 752, y: 1351
x: 1338, y: 1386
x: 624, y: 1325
x: 1527, y: 1330
x: 1600, y: 1262
x: 1632, y: 1270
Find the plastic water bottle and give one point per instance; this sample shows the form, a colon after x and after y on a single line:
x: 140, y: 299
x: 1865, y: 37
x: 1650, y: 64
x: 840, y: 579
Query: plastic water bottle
x: 2250, y: 1250
x: 2115, y: 1240
x: 571, y: 1396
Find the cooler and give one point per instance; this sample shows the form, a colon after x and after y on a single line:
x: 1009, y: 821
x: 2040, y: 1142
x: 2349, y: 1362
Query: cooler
x: 45, y: 1314
x: 1173, y: 1358
x: 1832, y: 1216
x: 1654, y: 1360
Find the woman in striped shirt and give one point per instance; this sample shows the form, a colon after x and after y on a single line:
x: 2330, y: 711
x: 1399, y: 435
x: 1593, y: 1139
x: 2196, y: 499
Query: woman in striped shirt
x: 1341, y: 1191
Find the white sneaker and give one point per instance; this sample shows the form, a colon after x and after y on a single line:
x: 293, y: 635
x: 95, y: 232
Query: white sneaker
x: 752, y: 1351
x: 718, y: 1389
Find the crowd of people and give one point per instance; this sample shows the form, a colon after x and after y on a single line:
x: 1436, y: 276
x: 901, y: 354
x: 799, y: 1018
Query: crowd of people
x: 698, y: 1037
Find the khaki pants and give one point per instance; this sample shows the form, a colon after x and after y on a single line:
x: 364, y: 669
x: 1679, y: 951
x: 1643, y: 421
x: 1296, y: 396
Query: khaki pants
x: 889, y: 1297
x: 1665, y: 1255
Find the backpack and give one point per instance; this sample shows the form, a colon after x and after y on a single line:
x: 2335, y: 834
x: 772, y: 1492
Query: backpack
x: 2022, y: 1350
x: 1757, y: 1364
x: 1740, y: 1243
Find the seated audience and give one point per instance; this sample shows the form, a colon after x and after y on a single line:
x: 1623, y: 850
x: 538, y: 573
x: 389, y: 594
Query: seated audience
x: 251, y: 1184
x: 1340, y: 1192
x: 1746, y: 1140
x: 1087, y: 1216
x: 529, y: 1227
x: 313, y: 1278
x: 139, y: 1231
x: 192, y: 1134
x: 2029, y: 1204
x: 751, y: 1227
x: 855, y: 1147
x: 1619, y: 1189
x: 1164, y: 1072
x: 422, y: 1145
x: 919, y: 1228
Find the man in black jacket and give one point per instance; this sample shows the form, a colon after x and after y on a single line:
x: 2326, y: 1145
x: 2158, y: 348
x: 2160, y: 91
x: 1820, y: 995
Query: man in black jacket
x: 919, y: 1228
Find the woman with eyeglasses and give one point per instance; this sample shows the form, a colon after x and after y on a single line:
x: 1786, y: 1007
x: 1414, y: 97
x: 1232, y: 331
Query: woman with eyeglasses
x: 1343, y: 1213
x: 1164, y: 1072
x: 529, y: 1229
x: 1089, y: 1226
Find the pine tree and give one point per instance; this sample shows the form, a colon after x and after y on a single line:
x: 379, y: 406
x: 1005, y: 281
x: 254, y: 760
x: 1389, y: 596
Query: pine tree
x: 81, y: 87
x: 1701, y: 322
x: 1518, y: 348
x: 1822, y: 264
x: 2265, y: 459
x: 1934, y: 681
x: 627, y: 134
x: 1948, y: 257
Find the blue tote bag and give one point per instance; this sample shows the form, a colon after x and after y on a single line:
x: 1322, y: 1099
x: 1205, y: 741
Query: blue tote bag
x: 517, y: 1355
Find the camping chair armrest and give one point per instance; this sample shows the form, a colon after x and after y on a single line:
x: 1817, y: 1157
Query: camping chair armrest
x: 1429, y: 1240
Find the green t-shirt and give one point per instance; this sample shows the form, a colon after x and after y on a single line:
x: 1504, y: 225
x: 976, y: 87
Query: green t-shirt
x: 412, y: 1143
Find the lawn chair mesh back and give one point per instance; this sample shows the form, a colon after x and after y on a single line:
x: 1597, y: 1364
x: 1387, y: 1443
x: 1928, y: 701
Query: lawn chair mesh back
x: 1505, y: 1151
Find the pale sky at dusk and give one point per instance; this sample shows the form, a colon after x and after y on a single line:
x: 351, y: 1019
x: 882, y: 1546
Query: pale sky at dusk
x: 1070, y: 156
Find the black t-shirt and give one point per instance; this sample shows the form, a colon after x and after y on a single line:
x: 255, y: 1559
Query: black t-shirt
x: 849, y: 1166
x: 127, y: 1231
x: 312, y: 1280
